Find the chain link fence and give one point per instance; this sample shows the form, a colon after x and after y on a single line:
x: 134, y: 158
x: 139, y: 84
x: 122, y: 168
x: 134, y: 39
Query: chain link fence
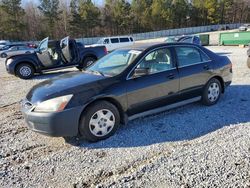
x: 169, y: 32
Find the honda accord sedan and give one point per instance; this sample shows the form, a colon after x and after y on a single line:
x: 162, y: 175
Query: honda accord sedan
x: 125, y: 84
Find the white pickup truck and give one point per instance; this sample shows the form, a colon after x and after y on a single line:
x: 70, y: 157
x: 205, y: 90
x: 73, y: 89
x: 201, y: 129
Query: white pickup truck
x: 113, y: 43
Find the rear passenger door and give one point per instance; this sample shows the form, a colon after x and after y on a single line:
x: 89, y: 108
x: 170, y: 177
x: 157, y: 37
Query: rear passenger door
x: 194, y: 70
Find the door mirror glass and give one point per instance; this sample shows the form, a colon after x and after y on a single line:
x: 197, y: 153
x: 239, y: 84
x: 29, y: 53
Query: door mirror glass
x: 141, y: 72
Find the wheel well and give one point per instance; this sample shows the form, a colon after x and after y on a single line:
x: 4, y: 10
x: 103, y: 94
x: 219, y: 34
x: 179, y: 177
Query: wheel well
x: 221, y: 82
x: 89, y: 55
x: 112, y: 101
x: 25, y: 62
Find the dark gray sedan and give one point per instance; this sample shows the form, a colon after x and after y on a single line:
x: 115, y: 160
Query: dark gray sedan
x: 125, y: 84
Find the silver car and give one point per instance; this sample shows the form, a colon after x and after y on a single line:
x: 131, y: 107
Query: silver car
x: 16, y: 50
x: 244, y: 27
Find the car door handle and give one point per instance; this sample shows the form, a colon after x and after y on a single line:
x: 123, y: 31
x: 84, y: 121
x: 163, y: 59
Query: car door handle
x: 171, y: 76
x: 206, y: 67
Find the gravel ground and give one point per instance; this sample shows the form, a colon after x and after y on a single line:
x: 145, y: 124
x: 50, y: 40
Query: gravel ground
x: 191, y: 146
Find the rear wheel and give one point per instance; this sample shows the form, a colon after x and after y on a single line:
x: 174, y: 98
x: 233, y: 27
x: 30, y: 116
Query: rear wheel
x: 99, y: 121
x: 25, y: 71
x: 212, y: 92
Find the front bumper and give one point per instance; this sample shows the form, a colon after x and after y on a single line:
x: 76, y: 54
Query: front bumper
x: 10, y: 68
x: 57, y: 124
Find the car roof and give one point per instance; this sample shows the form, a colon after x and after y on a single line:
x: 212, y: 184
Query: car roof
x: 147, y: 46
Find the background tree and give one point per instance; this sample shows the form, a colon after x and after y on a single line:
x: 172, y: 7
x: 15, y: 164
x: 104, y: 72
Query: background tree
x: 11, y: 20
x: 51, y: 13
x: 82, y: 18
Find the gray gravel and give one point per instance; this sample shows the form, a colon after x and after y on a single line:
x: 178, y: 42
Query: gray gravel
x: 192, y: 146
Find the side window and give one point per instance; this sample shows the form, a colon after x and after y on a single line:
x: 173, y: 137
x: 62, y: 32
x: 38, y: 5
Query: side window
x: 204, y: 57
x: 106, y: 41
x: 157, y: 61
x: 43, y: 45
x: 124, y: 39
x: 114, y: 40
x: 188, y: 56
x: 131, y: 39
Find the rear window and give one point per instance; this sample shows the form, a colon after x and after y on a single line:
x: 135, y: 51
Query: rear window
x: 124, y: 39
x: 114, y: 40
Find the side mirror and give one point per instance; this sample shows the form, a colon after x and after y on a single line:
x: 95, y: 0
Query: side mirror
x: 141, y: 72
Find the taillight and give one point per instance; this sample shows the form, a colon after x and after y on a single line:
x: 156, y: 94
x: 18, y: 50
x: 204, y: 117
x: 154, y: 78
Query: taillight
x: 231, y: 67
x: 105, y: 50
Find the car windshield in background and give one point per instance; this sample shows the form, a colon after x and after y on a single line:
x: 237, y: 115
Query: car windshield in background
x: 114, y: 63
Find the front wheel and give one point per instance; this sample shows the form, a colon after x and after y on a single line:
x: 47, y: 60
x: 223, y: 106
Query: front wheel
x: 4, y: 55
x: 25, y: 71
x: 99, y: 121
x: 88, y: 61
x: 212, y: 92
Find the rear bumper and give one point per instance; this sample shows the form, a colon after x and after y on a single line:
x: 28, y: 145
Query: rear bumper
x: 228, y: 83
x: 57, y: 124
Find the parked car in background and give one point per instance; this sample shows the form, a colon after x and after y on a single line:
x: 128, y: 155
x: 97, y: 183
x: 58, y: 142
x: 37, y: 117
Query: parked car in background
x: 190, y: 39
x: 16, y: 50
x: 4, y: 43
x: 6, y: 47
x: 51, y: 55
x: 113, y: 43
x: 185, y: 38
x: 244, y: 27
x: 127, y: 83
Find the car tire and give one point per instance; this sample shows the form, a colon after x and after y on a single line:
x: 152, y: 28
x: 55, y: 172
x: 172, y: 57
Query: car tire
x: 212, y: 92
x: 88, y: 61
x: 99, y: 121
x: 248, y: 62
x: 4, y: 55
x: 25, y: 71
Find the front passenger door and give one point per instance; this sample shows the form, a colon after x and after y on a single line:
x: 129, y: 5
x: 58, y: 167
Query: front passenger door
x: 43, y: 53
x: 156, y: 88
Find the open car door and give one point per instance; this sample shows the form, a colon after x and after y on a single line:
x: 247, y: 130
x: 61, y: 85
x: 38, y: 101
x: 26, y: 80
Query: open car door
x: 64, y: 44
x: 43, y: 53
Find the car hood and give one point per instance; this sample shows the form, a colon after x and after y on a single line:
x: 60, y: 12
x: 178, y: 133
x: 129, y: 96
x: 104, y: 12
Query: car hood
x: 65, y: 84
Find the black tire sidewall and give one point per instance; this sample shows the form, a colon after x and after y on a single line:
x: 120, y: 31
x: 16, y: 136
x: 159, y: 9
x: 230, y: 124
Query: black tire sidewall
x: 20, y: 75
x: 205, y: 99
x: 88, y: 59
x: 89, y: 112
x: 248, y: 62
x: 3, y: 55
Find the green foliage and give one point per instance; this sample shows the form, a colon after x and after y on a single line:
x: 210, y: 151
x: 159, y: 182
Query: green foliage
x: 11, y: 19
x: 51, y: 12
x: 82, y: 18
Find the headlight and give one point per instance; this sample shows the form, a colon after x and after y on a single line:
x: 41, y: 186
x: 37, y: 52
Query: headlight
x: 9, y: 61
x: 53, y: 105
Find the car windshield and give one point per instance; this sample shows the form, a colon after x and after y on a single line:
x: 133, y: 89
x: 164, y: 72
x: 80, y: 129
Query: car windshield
x: 114, y: 63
